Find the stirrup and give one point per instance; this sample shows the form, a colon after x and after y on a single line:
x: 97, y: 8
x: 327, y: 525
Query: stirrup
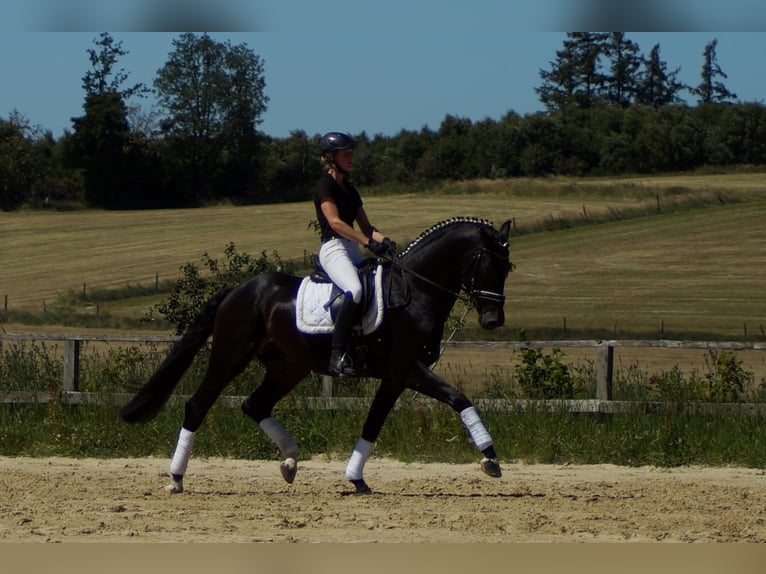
x: 341, y: 366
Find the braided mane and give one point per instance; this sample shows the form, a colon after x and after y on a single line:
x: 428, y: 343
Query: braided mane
x: 442, y: 225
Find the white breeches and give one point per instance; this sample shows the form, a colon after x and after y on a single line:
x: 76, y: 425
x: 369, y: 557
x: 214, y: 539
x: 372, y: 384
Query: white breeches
x: 339, y: 258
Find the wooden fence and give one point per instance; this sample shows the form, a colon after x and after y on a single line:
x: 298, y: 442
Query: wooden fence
x: 601, y: 403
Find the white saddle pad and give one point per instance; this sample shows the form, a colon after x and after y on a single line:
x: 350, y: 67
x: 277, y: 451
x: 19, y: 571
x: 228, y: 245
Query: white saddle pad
x: 312, y: 307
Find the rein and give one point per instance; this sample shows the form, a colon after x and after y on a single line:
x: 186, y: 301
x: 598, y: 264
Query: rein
x: 431, y: 282
x: 473, y: 295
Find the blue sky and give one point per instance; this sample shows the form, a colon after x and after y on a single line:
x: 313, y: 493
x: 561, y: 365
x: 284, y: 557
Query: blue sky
x: 355, y: 65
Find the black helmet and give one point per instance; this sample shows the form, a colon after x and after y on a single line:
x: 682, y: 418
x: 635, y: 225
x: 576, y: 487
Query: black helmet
x: 334, y: 141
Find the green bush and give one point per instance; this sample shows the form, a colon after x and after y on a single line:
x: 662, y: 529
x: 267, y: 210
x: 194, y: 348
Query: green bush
x: 727, y: 381
x: 724, y: 381
x: 192, y: 290
x: 544, y: 376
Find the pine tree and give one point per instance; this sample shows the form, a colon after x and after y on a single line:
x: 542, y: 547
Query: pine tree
x: 575, y: 77
x: 656, y: 86
x: 710, y: 90
x: 624, y: 62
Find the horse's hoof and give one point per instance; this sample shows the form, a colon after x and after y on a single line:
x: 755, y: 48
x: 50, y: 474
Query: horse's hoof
x: 491, y: 467
x: 175, y: 487
x: 361, y: 487
x: 289, y: 468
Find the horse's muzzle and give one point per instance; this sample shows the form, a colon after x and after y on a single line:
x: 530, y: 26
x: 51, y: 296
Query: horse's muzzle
x: 492, y: 319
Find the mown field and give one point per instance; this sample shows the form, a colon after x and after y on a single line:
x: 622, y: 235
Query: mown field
x: 679, y: 257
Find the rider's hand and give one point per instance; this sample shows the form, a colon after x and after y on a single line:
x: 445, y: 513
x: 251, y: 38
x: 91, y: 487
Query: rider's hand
x: 379, y: 248
x: 389, y: 246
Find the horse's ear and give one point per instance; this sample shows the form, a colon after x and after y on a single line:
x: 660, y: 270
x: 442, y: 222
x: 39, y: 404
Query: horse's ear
x: 505, y: 230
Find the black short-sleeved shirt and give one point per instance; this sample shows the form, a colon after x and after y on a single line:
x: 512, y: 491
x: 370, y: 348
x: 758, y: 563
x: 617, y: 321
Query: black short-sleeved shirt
x: 346, y: 199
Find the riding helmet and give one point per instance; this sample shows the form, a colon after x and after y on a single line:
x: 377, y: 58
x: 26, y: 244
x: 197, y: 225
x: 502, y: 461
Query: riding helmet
x: 335, y: 141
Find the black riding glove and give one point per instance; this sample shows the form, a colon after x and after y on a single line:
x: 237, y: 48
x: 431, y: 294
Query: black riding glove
x: 376, y: 247
x: 381, y: 248
x: 389, y: 246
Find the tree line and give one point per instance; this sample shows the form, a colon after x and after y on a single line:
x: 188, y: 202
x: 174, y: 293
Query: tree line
x: 609, y: 109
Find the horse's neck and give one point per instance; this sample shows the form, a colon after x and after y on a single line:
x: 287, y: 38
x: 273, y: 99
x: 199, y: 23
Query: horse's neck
x: 439, y: 261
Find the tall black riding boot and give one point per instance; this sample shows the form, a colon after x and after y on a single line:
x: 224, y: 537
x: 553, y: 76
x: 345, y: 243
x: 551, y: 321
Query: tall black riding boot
x: 340, y: 361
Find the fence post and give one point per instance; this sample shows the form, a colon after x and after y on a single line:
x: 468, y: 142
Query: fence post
x: 326, y: 386
x: 72, y: 365
x: 604, y: 370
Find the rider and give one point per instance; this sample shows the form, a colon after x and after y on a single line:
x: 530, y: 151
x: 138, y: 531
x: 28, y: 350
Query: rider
x: 338, y: 205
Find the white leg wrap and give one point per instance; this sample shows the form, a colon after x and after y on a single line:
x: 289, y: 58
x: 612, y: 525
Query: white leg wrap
x: 476, y: 428
x: 360, y: 454
x: 277, y: 433
x: 182, y: 453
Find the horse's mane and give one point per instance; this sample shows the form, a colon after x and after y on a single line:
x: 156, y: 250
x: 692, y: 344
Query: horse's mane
x: 443, y: 225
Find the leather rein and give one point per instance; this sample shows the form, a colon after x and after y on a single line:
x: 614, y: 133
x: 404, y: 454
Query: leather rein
x: 474, y: 296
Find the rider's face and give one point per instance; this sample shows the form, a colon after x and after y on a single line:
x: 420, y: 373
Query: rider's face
x: 345, y: 159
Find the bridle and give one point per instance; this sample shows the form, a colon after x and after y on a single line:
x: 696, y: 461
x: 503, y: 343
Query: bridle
x: 474, y: 296
x: 477, y: 296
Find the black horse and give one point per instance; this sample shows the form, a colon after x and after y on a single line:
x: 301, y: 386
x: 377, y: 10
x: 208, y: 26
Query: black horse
x: 258, y: 319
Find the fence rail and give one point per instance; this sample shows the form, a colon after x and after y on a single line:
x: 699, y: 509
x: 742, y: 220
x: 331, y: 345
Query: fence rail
x: 602, y: 403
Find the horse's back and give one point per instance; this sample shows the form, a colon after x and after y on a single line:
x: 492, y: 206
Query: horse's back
x: 269, y: 284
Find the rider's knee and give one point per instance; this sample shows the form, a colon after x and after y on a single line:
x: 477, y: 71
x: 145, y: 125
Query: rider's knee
x: 355, y: 294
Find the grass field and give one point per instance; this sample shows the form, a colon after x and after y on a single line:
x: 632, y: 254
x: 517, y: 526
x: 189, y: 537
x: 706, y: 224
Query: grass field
x: 679, y: 257
x: 693, y: 270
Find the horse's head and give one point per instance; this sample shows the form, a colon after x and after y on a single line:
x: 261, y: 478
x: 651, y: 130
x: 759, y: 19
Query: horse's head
x: 484, y: 277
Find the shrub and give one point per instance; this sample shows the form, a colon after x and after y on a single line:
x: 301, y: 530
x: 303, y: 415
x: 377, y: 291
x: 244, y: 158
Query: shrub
x: 727, y: 381
x: 544, y: 376
x: 192, y: 290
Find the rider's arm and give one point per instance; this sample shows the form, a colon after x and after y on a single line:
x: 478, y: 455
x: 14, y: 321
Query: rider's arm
x: 364, y: 225
x: 330, y: 211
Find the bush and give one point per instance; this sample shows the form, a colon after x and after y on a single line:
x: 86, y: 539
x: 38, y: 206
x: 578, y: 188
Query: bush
x: 192, y: 290
x: 727, y: 381
x: 544, y: 376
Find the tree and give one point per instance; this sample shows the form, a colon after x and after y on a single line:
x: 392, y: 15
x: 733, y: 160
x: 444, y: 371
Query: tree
x: 575, y: 77
x: 101, y: 144
x: 15, y: 162
x: 624, y: 63
x: 656, y: 86
x: 102, y: 78
x: 213, y: 96
x: 710, y: 90
x: 291, y: 167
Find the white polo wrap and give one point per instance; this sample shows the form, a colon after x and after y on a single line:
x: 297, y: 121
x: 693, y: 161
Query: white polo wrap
x: 183, y: 452
x: 476, y: 428
x: 360, y: 454
x: 277, y: 433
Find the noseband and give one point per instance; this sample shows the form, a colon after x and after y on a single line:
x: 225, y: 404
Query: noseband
x: 477, y: 296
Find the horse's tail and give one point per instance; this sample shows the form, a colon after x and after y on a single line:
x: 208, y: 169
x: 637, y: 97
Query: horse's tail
x: 155, y: 393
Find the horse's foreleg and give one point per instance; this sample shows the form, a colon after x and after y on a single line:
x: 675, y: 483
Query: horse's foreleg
x: 382, y: 404
x: 483, y: 441
x: 426, y: 382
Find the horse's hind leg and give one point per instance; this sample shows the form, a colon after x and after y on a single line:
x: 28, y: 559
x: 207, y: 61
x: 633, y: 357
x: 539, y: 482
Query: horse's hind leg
x: 279, y: 380
x: 227, y: 360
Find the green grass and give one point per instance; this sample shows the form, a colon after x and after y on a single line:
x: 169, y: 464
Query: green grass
x: 417, y: 430
x: 410, y: 434
x: 595, y: 258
